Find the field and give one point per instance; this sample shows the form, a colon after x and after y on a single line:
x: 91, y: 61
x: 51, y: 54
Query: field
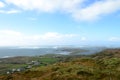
x: 23, y: 62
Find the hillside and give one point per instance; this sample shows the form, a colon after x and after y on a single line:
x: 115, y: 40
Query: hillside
x: 108, y: 53
x: 101, y: 66
x: 21, y: 63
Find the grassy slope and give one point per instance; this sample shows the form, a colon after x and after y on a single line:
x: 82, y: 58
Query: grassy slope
x: 103, y: 66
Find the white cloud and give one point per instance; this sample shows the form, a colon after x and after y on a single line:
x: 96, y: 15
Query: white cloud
x: 9, y: 11
x: 14, y: 38
x: 114, y: 39
x: 97, y: 9
x: 78, y: 9
x: 83, y: 38
x: 9, y: 37
x: 12, y: 11
x: 32, y: 18
x: 9, y: 32
x: 2, y: 4
x: 46, y: 5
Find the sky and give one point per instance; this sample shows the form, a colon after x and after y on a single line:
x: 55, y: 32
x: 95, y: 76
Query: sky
x: 59, y: 22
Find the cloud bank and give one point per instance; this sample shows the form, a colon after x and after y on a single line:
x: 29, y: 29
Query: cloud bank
x: 2, y: 4
x: 14, y: 38
x: 85, y: 10
x: 97, y: 9
x: 114, y: 39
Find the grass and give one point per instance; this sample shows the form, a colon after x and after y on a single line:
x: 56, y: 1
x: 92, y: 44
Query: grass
x: 95, y: 67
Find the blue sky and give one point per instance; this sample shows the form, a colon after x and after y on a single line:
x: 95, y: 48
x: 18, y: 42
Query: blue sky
x: 59, y: 22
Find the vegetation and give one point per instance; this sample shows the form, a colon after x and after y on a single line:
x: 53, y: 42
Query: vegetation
x: 7, y: 64
x: 101, y: 66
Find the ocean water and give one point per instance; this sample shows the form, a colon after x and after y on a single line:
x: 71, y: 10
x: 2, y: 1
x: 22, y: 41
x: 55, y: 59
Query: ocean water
x: 36, y: 51
x: 8, y: 52
x: 29, y: 51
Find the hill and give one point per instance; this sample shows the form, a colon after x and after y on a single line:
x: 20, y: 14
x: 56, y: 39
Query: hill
x: 101, y: 66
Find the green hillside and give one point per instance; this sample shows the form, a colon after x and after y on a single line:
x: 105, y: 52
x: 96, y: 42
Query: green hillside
x: 101, y: 66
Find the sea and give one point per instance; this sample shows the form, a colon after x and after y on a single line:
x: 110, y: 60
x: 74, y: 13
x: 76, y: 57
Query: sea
x: 6, y: 52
